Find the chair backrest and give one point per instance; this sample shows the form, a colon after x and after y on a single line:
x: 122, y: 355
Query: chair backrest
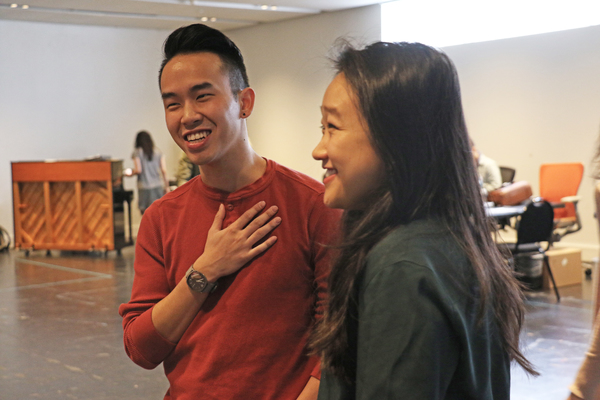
x: 508, y: 174
x: 536, y: 223
x: 558, y: 181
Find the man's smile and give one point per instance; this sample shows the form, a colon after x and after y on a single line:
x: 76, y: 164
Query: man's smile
x: 197, y: 137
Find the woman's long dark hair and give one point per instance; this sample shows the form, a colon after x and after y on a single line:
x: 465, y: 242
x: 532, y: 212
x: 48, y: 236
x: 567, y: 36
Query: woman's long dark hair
x: 144, y: 141
x: 410, y: 98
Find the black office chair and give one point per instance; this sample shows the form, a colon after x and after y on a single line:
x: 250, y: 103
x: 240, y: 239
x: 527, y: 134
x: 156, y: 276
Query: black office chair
x: 508, y: 174
x: 534, y: 226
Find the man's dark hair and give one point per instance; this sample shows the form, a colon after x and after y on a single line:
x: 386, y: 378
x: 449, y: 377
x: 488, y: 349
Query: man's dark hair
x: 199, y: 38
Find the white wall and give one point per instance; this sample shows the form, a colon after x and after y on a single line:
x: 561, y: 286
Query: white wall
x: 288, y: 67
x: 527, y: 101
x: 535, y: 100
x: 68, y: 92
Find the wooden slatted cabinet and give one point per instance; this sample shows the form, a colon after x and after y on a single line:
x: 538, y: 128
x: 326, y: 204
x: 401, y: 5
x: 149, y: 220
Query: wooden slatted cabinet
x: 67, y: 205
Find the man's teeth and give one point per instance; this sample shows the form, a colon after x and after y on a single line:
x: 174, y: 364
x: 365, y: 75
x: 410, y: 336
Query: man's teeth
x: 197, y: 136
x: 330, y: 172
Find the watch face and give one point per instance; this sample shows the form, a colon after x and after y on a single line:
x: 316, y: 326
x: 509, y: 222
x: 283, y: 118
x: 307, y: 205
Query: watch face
x: 196, y: 281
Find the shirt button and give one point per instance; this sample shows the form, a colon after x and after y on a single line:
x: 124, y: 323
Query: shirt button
x: 230, y: 207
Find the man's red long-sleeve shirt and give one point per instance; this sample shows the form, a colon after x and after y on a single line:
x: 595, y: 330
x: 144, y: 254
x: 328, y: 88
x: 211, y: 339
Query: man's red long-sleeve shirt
x: 248, y: 340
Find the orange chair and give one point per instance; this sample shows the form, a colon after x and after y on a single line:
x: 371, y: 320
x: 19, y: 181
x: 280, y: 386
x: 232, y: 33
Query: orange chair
x: 558, y: 185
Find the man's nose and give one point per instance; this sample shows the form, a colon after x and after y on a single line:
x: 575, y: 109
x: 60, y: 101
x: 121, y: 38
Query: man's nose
x: 191, y: 116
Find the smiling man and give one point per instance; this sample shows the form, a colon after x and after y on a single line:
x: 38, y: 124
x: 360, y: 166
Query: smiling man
x: 230, y: 268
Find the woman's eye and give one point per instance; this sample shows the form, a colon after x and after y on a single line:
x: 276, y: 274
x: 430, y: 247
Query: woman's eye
x: 328, y: 126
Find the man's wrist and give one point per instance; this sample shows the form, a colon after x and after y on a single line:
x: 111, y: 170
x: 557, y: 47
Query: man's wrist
x: 198, y: 282
x: 207, y: 272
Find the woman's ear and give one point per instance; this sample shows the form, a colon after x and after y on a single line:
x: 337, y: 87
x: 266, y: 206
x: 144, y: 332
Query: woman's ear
x: 246, y: 98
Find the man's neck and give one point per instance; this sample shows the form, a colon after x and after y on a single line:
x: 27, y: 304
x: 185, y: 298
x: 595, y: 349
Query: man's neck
x: 232, y: 175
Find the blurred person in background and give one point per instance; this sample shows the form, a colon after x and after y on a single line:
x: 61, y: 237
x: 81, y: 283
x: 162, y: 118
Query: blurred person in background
x: 150, y: 169
x: 587, y: 381
x: 490, y: 177
x: 186, y: 169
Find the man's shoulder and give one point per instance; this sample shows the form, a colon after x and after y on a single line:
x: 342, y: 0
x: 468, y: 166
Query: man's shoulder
x: 293, y: 177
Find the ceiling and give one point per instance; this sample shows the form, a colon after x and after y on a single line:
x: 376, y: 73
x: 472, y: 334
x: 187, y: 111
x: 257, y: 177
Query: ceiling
x: 169, y: 14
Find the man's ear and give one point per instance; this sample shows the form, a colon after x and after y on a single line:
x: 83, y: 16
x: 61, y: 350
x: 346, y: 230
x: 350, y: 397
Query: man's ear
x: 246, y: 99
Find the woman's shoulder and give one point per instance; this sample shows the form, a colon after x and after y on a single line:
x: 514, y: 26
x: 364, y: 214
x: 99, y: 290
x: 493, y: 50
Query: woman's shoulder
x: 424, y: 246
x: 413, y: 238
x: 423, y: 259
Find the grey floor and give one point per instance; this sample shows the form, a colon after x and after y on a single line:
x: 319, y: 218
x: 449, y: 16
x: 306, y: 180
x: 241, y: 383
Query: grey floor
x: 61, y: 336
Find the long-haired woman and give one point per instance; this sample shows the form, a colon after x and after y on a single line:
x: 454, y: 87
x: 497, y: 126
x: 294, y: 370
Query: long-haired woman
x: 421, y: 303
x: 150, y: 168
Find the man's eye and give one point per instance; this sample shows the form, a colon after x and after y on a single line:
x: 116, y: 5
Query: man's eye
x: 171, y: 105
x: 331, y: 126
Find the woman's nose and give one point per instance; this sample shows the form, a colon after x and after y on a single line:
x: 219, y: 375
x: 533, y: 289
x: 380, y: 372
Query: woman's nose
x: 319, y: 152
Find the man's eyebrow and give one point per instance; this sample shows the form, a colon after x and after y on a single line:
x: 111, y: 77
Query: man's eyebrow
x: 201, y: 86
x: 195, y: 88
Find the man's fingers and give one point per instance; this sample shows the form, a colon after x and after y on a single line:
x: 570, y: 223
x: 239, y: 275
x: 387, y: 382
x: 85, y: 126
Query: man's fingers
x: 263, y: 231
x: 261, y: 248
x: 261, y: 220
x: 219, y: 217
x: 246, y: 217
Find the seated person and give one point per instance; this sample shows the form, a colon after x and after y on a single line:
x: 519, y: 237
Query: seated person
x: 489, y: 171
x: 186, y: 170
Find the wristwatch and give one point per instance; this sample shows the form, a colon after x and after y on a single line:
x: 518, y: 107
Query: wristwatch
x: 198, y: 282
